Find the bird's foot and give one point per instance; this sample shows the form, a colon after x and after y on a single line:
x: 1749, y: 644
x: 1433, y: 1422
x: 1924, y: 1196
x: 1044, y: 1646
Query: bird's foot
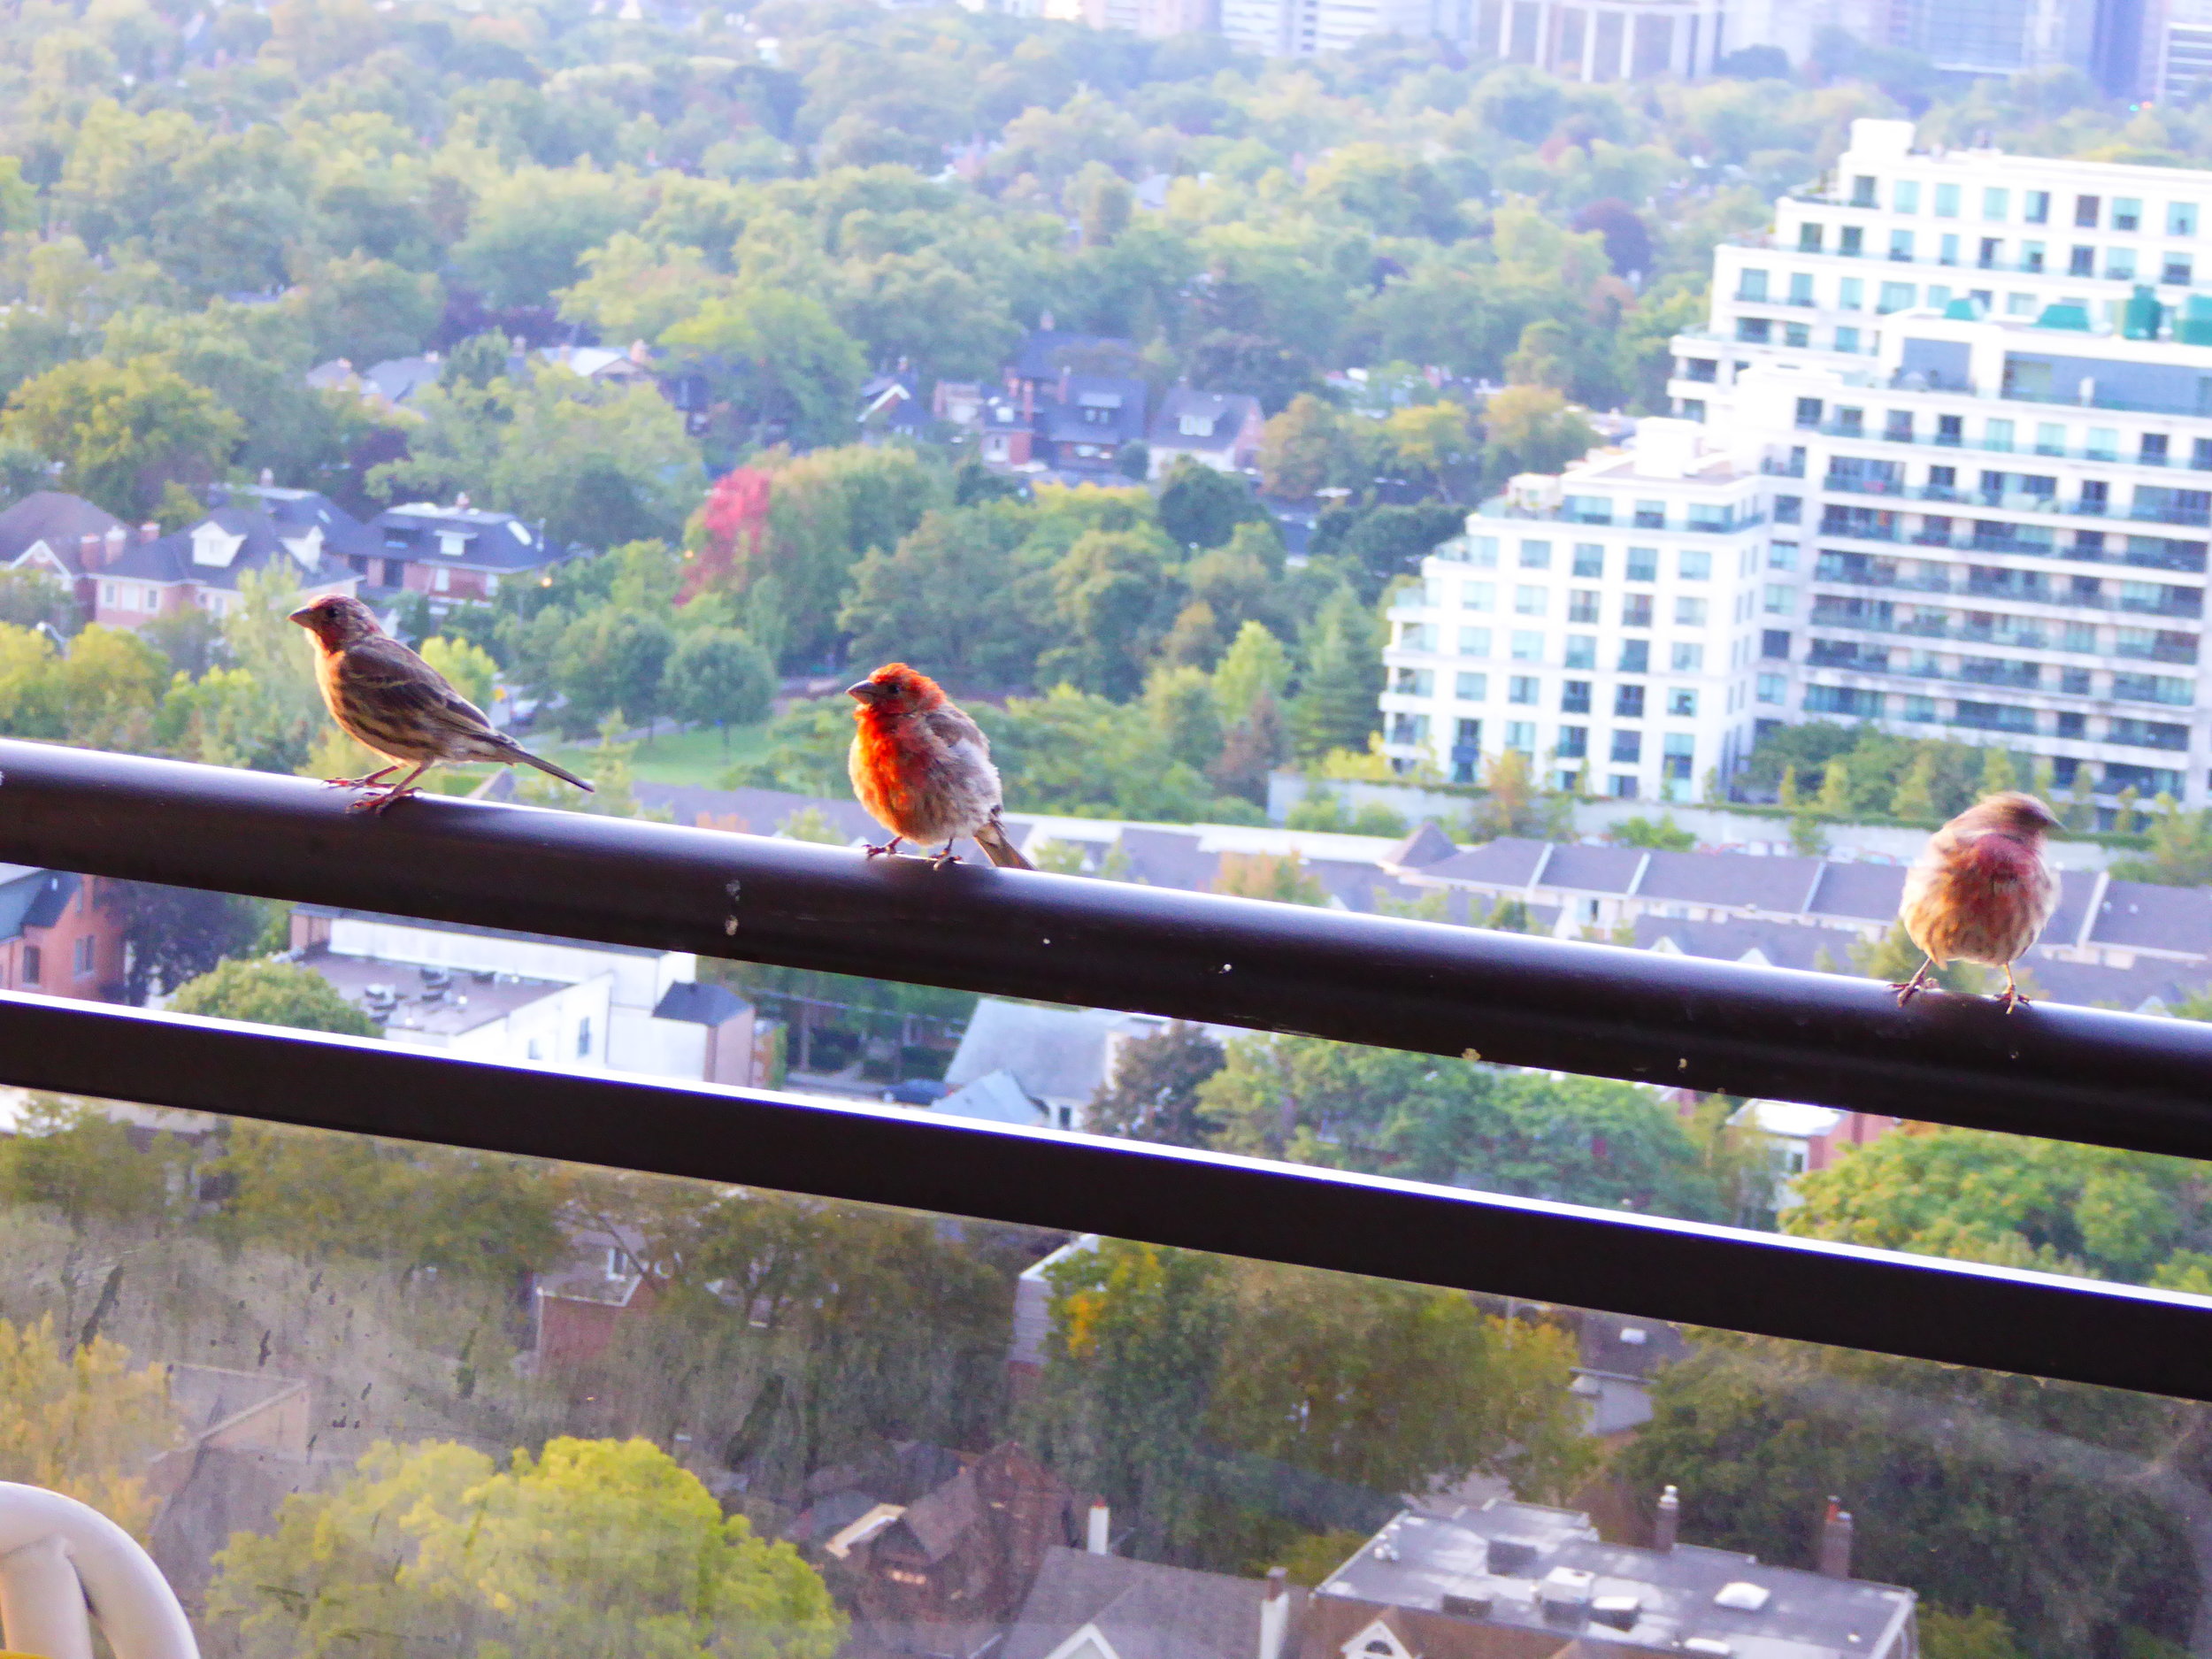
x: 2010, y: 999
x: 947, y: 856
x: 382, y: 801
x: 346, y: 783
x: 890, y: 846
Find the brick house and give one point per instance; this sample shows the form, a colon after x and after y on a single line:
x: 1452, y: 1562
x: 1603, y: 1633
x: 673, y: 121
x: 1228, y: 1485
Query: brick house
x: 60, y: 935
x: 201, y: 567
x: 454, y: 554
x: 66, y: 537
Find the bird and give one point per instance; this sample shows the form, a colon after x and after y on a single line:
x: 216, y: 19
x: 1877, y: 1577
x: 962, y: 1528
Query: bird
x: 1981, y: 891
x: 384, y: 695
x: 923, y: 769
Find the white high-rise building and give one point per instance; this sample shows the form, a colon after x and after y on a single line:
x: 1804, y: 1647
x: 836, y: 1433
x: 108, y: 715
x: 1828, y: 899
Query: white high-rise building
x: 1606, y: 623
x: 1980, y: 386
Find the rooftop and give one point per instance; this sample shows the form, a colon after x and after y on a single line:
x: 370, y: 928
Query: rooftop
x: 427, y: 1001
x: 1526, y: 1565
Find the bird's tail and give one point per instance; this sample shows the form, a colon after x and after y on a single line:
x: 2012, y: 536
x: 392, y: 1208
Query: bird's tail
x: 528, y: 759
x: 1000, y: 852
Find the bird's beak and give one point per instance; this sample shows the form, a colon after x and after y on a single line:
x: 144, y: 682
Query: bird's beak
x: 865, y: 691
x: 305, y: 616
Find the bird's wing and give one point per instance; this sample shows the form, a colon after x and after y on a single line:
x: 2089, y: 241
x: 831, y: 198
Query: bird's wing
x: 401, y: 682
x: 956, y: 731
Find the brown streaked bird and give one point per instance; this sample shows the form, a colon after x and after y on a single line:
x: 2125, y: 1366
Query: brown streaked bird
x: 1982, y: 890
x: 388, y: 698
x: 923, y: 769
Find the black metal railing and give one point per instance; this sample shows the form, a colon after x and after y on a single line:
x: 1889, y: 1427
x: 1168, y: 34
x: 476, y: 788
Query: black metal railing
x: 2072, y: 1073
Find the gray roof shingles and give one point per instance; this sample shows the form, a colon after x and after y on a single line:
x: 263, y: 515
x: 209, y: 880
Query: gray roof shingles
x: 1143, y: 1609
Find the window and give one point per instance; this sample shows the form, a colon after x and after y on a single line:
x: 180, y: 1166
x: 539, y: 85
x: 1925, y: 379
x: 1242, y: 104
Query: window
x: 2082, y: 261
x: 1780, y: 599
x: 1404, y: 728
x: 1898, y: 296
x: 2119, y: 264
x: 1681, y: 754
x: 1861, y: 191
x: 1775, y: 643
x: 1474, y: 642
x: 1636, y: 610
x: 1997, y: 434
x: 1574, y: 743
x: 1849, y: 422
x: 1798, y: 335
x: 2050, y: 439
x: 2086, y: 212
x: 1946, y: 201
x: 1482, y: 552
x: 1905, y: 195
x: 2035, y: 207
x: 2102, y: 443
x: 1689, y: 612
x: 2153, y: 451
x: 583, y: 1038
x: 1528, y: 647
x: 2177, y: 270
x: 1782, y: 555
x: 1643, y: 564
x: 1522, y: 688
x: 1688, y: 659
x: 1582, y: 605
x: 1589, y: 559
x: 2181, y: 218
x: 1850, y: 242
x: 1582, y: 650
x: 1808, y: 413
x: 1847, y: 339
x: 2030, y: 260
x: 1789, y: 509
x: 1751, y: 284
x: 2127, y: 212
x: 1808, y: 239
x: 1521, y: 734
x: 1693, y: 565
x: 1700, y: 369
x: 1996, y: 205
x: 33, y: 966
x: 1682, y: 703
x: 1413, y: 682
x: 1800, y: 288
x: 1900, y: 245
x: 2200, y: 455
x: 1635, y: 658
x: 1574, y: 696
x: 1535, y: 555
x: 1770, y: 689
x: 1472, y: 688
x: 1628, y: 748
x: 1529, y: 602
x: 1851, y: 294
x: 1417, y: 636
x: 1478, y: 596
x: 2074, y: 682
x: 80, y: 956
x: 1651, y: 515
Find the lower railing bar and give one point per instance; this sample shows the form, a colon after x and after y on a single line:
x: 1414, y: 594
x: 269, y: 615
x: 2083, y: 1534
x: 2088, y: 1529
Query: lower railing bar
x: 1961, y: 1313
x: 2074, y: 1073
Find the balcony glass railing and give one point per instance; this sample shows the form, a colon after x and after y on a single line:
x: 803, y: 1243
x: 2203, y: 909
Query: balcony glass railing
x: 478, y: 1355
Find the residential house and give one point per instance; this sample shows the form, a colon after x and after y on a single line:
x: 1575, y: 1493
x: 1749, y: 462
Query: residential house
x: 201, y: 566
x: 1614, y: 1361
x: 391, y: 384
x: 1084, y: 425
x: 583, y: 1306
x: 1803, y: 1140
x: 60, y: 935
x: 65, y: 536
x: 1054, y: 1059
x: 1219, y: 429
x: 530, y: 999
x: 456, y: 554
x: 1092, y: 1605
x: 1032, y: 1312
x: 1047, y: 355
x: 893, y: 404
x: 1512, y: 1580
x: 943, y: 1572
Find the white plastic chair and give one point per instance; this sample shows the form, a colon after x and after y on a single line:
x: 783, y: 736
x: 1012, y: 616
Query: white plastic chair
x: 55, y: 1555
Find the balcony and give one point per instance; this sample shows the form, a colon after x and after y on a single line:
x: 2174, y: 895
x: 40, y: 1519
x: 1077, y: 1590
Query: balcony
x: 878, y: 1261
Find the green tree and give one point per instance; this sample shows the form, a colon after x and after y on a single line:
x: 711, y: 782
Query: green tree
x: 961, y: 594
x: 1113, y: 590
x: 28, y: 597
x: 1283, y: 878
x: 1914, y: 799
x: 2180, y: 851
x: 1200, y: 506
x: 68, y: 1156
x: 78, y: 1420
x: 1153, y: 1092
x: 271, y: 993
x: 1531, y: 429
x: 719, y: 677
x: 123, y: 430
x: 470, y: 668
x: 178, y: 933
x: 597, y: 1549
x: 1180, y: 704
x: 1893, y: 958
x: 1304, y: 448
x: 612, y: 659
x: 777, y: 361
x: 529, y: 231
x: 1662, y: 832
x: 1341, y: 678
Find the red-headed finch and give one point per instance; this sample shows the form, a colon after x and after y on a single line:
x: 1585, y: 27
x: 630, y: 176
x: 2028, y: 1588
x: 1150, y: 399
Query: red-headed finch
x: 1982, y: 890
x: 390, y: 699
x: 923, y: 769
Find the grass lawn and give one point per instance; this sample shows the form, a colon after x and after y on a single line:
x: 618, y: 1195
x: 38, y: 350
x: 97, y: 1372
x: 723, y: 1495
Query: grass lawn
x: 694, y: 758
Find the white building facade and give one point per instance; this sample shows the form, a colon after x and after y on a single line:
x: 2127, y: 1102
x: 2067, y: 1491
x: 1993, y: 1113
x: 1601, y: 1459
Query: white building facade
x: 1606, y: 623
x: 1979, y: 387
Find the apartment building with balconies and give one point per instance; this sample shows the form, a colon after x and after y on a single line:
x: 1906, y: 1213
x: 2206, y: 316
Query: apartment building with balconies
x: 2002, y: 482
x: 1607, y: 622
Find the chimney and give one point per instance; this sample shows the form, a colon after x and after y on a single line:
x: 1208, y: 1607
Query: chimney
x: 149, y: 532
x: 1835, y: 1541
x: 90, y: 549
x: 1275, y: 1613
x: 116, y: 539
x: 1669, y: 1521
x: 1098, y: 1538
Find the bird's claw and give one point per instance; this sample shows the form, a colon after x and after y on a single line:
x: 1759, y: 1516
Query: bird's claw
x: 940, y: 860
x: 381, y: 801
x: 1907, y: 990
x: 888, y: 849
x: 345, y: 783
x: 2011, y: 1000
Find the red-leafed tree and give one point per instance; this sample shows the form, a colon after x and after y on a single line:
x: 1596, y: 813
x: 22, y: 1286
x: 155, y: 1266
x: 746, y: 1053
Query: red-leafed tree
x: 727, y: 531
